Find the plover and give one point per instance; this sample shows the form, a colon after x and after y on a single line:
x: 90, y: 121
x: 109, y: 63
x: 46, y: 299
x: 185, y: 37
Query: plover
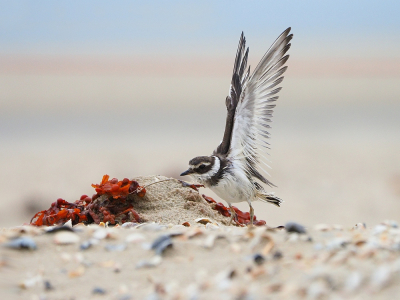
x: 234, y: 170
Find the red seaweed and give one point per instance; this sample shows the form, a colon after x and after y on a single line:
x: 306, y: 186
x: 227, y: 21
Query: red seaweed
x: 113, y: 209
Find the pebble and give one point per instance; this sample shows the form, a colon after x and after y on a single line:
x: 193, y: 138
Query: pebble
x: 99, y: 291
x: 295, y: 227
x: 258, y: 259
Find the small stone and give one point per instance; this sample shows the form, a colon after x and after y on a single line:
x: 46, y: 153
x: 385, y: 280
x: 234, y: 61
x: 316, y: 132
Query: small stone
x: 295, y: 227
x: 48, y: 286
x: 258, y: 259
x: 277, y: 255
x: 99, y: 291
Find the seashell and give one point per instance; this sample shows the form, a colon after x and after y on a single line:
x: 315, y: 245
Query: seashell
x: 209, y: 241
x: 150, y: 227
x: 66, y: 237
x: 31, y: 282
x: 116, y: 247
x: 380, y: 228
x: 77, y: 272
x: 54, y: 229
x: 21, y: 244
x: 135, y: 238
x: 322, y: 227
x: 295, y: 227
x: 353, y: 282
x: 104, y: 233
x: 381, y: 277
x: 360, y: 226
x: 89, y: 243
x: 186, y: 224
x: 68, y: 223
x: 65, y: 257
x: 211, y: 226
x: 151, y: 263
x: 161, y: 243
x: 203, y: 221
x: 129, y: 225
x: 391, y: 223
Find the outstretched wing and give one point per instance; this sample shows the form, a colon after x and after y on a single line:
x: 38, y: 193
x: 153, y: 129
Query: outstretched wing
x: 239, y: 79
x: 254, y: 108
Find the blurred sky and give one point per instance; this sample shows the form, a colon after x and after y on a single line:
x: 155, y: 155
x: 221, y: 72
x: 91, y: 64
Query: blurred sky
x: 137, y: 87
x: 322, y: 28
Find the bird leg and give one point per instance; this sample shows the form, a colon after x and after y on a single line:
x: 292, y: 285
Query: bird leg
x: 233, y: 214
x: 251, y: 215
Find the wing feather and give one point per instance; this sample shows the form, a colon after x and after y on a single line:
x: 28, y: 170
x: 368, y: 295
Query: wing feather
x: 255, y: 107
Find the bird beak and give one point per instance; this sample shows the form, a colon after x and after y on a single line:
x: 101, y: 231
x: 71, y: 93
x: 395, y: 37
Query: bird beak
x: 187, y: 172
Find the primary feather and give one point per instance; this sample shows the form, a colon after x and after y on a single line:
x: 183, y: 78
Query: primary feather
x: 250, y: 103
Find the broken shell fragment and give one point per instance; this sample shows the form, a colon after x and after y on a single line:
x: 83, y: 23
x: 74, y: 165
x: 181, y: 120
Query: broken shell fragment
x: 203, y: 221
x: 22, y: 243
x: 161, y: 243
x: 66, y: 237
x: 151, y: 263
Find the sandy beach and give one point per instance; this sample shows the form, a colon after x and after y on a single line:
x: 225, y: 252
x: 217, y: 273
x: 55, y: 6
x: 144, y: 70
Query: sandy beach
x: 180, y: 247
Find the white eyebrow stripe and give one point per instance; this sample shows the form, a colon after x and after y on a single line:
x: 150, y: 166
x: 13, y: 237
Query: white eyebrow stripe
x: 198, y: 165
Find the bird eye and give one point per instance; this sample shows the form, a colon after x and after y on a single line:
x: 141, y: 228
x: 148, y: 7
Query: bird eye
x: 202, y: 166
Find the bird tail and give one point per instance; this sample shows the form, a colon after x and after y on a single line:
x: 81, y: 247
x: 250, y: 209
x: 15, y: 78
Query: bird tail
x: 270, y: 198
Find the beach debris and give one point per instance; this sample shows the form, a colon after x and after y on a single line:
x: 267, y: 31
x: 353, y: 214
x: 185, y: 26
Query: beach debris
x: 89, y: 243
x: 129, y: 225
x: 295, y: 227
x: 48, y: 286
x: 360, y: 226
x: 115, y: 247
x: 31, y: 282
x: 161, y: 243
x: 135, y: 238
x: 109, y: 204
x: 186, y: 224
x: 258, y: 259
x: 77, y: 272
x: 65, y: 238
x: 203, y: 221
x: 277, y: 255
x: 149, y: 263
x: 54, y: 229
x: 22, y: 243
x: 98, y: 291
x: 191, y: 185
x: 242, y: 218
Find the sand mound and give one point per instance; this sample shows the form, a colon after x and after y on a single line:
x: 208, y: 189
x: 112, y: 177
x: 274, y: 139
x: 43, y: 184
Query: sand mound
x: 168, y: 202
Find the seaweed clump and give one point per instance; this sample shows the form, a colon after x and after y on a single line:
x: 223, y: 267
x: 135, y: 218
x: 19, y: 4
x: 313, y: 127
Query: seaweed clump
x: 114, y: 207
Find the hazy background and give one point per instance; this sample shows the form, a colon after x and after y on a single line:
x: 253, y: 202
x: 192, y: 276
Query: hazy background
x: 131, y: 88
